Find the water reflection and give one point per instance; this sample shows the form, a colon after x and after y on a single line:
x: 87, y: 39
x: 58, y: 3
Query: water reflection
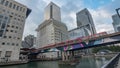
x: 86, y: 62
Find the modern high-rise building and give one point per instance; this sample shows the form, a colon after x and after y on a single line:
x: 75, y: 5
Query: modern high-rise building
x: 85, y: 27
x: 84, y: 19
x: 116, y: 23
x: 52, y: 11
x: 52, y: 30
x: 29, y: 41
x: 12, y: 20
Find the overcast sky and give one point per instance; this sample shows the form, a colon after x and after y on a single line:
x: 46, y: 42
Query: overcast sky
x: 101, y: 11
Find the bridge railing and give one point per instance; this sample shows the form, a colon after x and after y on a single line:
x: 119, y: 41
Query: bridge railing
x: 113, y: 62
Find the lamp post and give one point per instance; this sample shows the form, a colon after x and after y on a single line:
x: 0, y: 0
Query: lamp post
x: 117, y: 10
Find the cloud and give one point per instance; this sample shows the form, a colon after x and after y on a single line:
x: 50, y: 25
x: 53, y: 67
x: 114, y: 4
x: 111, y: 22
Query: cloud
x: 69, y: 8
x: 102, y: 20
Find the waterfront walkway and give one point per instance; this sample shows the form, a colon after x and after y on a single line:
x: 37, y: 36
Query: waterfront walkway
x: 118, y: 65
x: 12, y: 63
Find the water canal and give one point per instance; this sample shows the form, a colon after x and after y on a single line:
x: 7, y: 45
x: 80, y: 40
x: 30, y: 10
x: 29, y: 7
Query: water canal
x: 86, y: 62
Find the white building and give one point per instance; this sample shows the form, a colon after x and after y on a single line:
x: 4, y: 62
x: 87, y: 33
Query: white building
x: 12, y: 20
x: 52, y: 30
x: 116, y: 23
x: 84, y: 19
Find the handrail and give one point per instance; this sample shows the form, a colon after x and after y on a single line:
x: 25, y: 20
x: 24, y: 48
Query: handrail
x: 113, y: 62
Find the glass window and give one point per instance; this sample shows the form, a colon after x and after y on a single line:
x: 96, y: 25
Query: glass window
x: 3, y: 26
x: 9, y: 36
x: 14, y: 6
x: 13, y: 44
x: 1, y: 33
x: 8, y: 53
x: 1, y: 16
x: 2, y: 1
x: 6, y: 3
x: 0, y: 53
x: 3, y: 43
x: 10, y: 5
x: 16, y: 27
x: 8, y: 43
x: 5, y: 36
x: 12, y: 26
x: 20, y: 8
x: 11, y: 30
x: 17, y: 7
x: 17, y: 44
x: 6, y: 18
x: 0, y: 22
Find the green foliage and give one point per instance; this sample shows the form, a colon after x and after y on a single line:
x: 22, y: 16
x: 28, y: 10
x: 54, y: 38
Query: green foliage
x: 111, y: 48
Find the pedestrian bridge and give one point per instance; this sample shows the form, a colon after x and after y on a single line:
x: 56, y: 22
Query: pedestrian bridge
x: 100, y: 39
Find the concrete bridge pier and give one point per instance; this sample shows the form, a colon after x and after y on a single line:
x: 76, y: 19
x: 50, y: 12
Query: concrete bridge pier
x: 67, y: 55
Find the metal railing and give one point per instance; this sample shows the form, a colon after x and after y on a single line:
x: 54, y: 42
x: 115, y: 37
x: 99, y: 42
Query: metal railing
x: 113, y: 62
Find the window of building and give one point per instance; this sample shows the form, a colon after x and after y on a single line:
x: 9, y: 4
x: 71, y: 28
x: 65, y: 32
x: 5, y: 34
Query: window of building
x: 5, y: 36
x: 3, y: 43
x: 10, y: 5
x: 1, y: 16
x: 8, y: 25
x: 8, y: 53
x: 12, y: 26
x: 17, y: 8
x: 8, y: 43
x: 6, y: 18
x: 3, y: 10
x: 11, y: 30
x: 6, y: 3
x: 6, y: 30
x: 0, y: 53
x: 13, y: 44
x: 3, y: 25
x: 19, y: 15
x: 18, y: 19
x: 17, y: 44
x: 18, y: 38
x: 23, y: 9
x: 14, y: 6
x: 20, y: 8
x: 15, y: 31
x: 10, y: 37
x: 1, y: 33
x: 0, y: 22
x: 2, y: 1
x: 16, y: 27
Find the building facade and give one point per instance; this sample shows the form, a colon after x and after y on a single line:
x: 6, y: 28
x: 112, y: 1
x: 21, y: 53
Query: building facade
x: 116, y: 23
x: 85, y: 27
x: 84, y: 19
x: 75, y: 33
x: 52, y: 11
x: 52, y: 30
x: 29, y: 41
x: 12, y: 20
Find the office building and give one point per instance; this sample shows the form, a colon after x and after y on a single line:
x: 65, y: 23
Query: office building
x: 29, y: 41
x: 52, y: 11
x: 84, y: 19
x: 116, y: 23
x: 51, y: 30
x: 12, y: 20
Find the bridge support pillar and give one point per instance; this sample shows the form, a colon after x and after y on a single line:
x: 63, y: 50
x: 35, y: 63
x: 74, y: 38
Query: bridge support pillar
x: 67, y: 55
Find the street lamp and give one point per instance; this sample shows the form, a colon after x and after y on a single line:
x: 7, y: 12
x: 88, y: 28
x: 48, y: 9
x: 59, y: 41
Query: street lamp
x: 117, y: 10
